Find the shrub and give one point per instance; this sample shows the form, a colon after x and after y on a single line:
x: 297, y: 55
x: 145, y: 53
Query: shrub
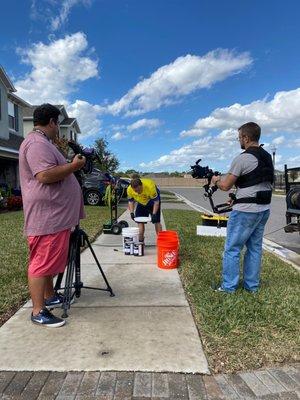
x: 14, y: 202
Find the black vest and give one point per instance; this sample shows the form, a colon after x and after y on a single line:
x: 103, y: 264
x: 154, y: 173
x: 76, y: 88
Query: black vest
x: 264, y: 172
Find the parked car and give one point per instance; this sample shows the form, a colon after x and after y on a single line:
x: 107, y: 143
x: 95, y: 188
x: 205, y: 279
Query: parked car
x: 94, y: 186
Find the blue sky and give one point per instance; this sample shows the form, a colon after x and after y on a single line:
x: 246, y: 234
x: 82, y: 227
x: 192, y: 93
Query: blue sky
x: 165, y: 82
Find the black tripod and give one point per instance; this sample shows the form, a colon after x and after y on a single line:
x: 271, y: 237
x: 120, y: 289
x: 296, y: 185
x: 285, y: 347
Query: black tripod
x: 78, y: 239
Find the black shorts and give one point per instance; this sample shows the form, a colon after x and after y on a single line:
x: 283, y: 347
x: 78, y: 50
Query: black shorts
x: 145, y: 211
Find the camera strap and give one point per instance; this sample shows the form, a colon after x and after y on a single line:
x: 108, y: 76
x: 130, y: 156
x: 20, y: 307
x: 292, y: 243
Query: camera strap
x: 41, y: 132
x: 262, y: 197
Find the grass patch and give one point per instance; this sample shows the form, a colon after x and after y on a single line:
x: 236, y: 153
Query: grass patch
x: 14, y: 255
x: 240, y: 331
x: 169, y: 197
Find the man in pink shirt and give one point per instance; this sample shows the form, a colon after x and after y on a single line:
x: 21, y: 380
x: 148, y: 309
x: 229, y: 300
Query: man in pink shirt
x: 53, y: 204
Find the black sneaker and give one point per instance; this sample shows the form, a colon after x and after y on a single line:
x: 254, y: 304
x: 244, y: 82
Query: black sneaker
x: 46, y: 318
x: 56, y: 301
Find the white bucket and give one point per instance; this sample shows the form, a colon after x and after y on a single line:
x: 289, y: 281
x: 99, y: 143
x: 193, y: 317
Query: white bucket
x: 130, y: 236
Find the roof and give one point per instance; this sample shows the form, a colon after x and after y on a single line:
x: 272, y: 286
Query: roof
x: 66, y: 122
x: 69, y: 122
x: 18, y: 100
x: 28, y: 111
x: 14, y: 141
x: 5, y: 79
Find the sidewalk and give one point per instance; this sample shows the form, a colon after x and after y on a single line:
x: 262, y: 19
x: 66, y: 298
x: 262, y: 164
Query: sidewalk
x: 147, y: 326
x: 140, y: 344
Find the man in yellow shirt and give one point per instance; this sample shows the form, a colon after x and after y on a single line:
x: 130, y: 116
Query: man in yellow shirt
x: 145, y: 193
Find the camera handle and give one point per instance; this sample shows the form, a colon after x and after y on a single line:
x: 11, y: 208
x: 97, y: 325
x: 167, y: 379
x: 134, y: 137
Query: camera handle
x: 219, y: 208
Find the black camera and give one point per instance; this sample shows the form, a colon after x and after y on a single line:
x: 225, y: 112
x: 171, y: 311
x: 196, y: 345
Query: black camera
x: 199, y: 172
x: 88, y: 153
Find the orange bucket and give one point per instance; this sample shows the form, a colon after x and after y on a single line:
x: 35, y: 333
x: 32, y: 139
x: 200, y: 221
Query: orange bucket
x: 167, y: 250
x: 168, y: 236
x: 168, y: 233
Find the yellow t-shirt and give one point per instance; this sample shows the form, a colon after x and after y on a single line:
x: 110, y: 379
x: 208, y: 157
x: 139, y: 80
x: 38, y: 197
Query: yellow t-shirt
x: 149, y: 192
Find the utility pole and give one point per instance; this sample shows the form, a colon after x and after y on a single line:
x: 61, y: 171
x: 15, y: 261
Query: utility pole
x: 273, y: 149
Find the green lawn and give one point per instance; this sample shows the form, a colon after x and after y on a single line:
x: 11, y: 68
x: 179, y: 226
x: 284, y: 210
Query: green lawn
x: 169, y: 197
x: 239, y: 331
x: 14, y: 254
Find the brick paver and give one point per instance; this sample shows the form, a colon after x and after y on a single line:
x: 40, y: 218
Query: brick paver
x: 268, y: 384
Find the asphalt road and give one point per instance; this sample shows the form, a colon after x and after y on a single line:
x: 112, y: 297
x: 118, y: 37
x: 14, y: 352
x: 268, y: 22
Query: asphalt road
x: 276, y: 220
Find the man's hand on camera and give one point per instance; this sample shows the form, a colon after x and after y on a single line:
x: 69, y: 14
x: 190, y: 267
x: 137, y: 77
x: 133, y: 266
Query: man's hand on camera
x: 78, y: 162
x: 215, y: 179
x: 132, y: 216
x: 154, y: 218
x: 230, y: 202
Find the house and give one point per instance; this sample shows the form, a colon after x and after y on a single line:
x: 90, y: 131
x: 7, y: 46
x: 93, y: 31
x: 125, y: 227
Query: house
x: 11, y: 130
x: 68, y: 127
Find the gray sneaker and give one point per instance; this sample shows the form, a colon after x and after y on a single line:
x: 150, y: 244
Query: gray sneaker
x: 221, y: 290
x: 46, y: 318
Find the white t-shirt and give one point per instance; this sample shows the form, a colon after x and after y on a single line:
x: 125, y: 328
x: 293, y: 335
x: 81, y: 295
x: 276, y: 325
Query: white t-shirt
x: 241, y: 165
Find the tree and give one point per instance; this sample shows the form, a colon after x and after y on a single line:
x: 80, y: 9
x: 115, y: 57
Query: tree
x: 130, y: 172
x: 294, y: 175
x: 176, y: 174
x: 107, y: 162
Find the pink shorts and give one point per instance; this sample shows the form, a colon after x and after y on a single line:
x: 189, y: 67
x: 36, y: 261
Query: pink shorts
x: 48, y: 254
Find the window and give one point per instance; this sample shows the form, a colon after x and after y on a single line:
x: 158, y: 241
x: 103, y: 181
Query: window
x: 0, y: 104
x: 13, y: 116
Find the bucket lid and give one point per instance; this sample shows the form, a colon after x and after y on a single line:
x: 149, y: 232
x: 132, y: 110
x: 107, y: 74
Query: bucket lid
x: 142, y: 219
x: 130, y: 230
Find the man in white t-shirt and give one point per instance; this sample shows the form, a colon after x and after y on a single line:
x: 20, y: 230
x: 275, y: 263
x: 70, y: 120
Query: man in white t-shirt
x: 252, y: 172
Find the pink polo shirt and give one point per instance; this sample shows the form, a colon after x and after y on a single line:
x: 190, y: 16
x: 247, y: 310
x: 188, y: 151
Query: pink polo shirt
x: 48, y: 207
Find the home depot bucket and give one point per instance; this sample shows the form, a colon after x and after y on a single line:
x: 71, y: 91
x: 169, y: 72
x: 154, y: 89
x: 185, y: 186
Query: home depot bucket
x: 167, y: 250
x: 172, y: 235
x: 130, y: 236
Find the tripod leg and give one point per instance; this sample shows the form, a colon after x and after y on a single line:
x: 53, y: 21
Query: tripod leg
x: 69, y: 280
x: 58, y: 282
x: 78, y: 284
x: 98, y: 264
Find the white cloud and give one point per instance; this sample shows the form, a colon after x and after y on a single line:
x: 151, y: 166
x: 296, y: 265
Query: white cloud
x: 144, y: 123
x: 65, y: 8
x: 278, y: 140
x: 210, y: 149
x: 230, y: 134
x: 185, y: 75
x: 213, y: 150
x: 118, y: 136
x: 54, y: 13
x: 291, y: 162
x: 282, y: 113
x: 87, y: 115
x: 56, y: 69
x: 294, y: 161
x: 292, y: 143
